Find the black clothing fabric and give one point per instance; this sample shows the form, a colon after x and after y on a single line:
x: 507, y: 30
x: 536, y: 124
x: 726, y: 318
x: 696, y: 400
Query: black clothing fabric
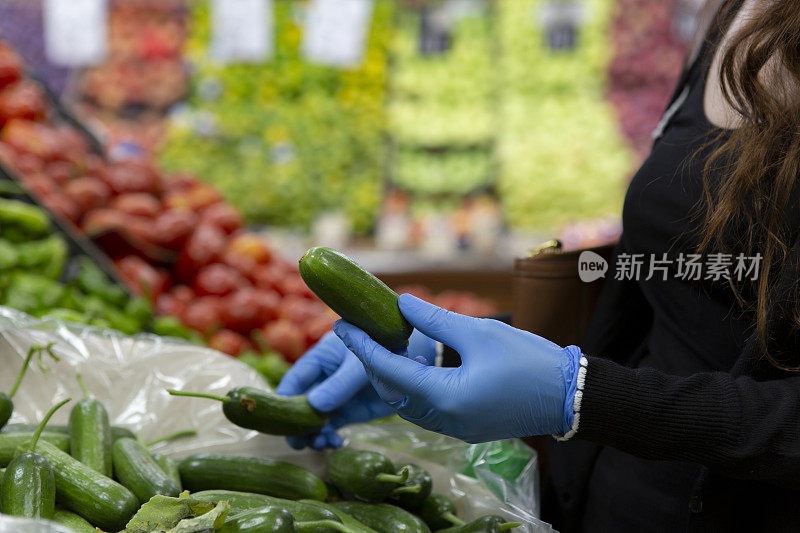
x: 684, y: 425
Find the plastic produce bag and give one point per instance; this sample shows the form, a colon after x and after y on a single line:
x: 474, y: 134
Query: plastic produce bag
x: 130, y: 375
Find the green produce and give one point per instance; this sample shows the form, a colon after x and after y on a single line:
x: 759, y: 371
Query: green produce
x: 6, y: 402
x: 10, y: 443
x: 356, y: 295
x: 32, y: 293
x: 349, y: 521
x: 9, y: 255
x: 366, y: 475
x: 97, y: 498
x: 270, y: 365
x: 243, y: 501
x: 265, y: 411
x: 64, y: 315
x: 383, y: 517
x: 276, y: 520
x: 121, y: 433
x: 23, y: 221
x: 413, y: 493
x: 28, y: 486
x: 484, y: 524
x: 251, y: 474
x: 135, y: 468
x: 46, y: 257
x: 92, y: 280
x: 439, y: 512
x: 116, y: 431
x: 173, y: 436
x: 90, y: 433
x: 170, y: 468
x: 72, y: 521
x: 169, y: 326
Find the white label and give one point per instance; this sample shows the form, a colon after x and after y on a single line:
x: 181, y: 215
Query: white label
x: 242, y: 30
x: 75, y: 31
x: 336, y: 31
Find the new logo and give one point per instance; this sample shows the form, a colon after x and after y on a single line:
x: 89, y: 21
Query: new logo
x: 591, y: 266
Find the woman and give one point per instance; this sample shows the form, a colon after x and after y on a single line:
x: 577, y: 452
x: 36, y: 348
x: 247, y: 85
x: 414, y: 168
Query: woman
x: 681, y: 408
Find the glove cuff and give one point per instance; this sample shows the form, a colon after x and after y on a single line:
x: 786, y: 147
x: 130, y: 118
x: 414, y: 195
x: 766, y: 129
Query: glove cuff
x: 576, y: 381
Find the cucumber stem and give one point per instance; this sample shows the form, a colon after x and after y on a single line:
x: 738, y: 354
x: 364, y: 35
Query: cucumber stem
x: 86, y: 393
x: 315, y: 525
x: 34, y: 349
x: 174, y: 392
x: 408, y: 489
x: 400, y: 477
x: 49, y: 349
x: 453, y: 519
x: 44, y: 422
x: 173, y: 436
x: 508, y: 525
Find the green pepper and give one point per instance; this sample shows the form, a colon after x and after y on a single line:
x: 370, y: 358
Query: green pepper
x: 73, y: 299
x: 46, y: 256
x: 20, y: 221
x: 31, y: 292
x: 92, y: 280
x: 65, y: 315
x: 9, y: 256
x: 139, y: 309
x: 270, y: 365
x: 169, y: 326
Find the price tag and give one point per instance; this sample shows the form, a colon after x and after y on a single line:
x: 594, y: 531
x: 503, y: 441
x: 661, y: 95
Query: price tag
x: 336, y: 31
x: 242, y: 30
x: 561, y: 22
x: 75, y: 31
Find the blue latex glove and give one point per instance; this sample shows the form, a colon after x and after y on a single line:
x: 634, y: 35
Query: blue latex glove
x: 336, y: 383
x: 511, y: 383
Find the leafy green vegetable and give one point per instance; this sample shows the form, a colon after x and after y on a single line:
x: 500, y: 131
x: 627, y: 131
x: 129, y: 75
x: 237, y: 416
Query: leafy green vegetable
x: 163, y: 513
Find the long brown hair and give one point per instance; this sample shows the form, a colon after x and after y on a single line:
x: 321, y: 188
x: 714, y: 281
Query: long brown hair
x: 760, y: 79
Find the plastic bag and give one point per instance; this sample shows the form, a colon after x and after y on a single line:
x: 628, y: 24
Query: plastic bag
x: 130, y: 375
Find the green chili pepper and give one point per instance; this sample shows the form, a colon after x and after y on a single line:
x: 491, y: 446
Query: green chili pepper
x: 31, y: 292
x: 92, y: 280
x: 168, y: 326
x: 29, y: 221
x: 9, y: 256
x: 65, y: 315
x: 47, y: 256
x: 139, y: 310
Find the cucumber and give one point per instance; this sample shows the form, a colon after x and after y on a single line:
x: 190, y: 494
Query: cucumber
x: 245, y: 501
x: 90, y: 433
x: 251, y: 474
x: 72, y: 521
x: 383, y: 518
x: 28, y: 487
x: 346, y: 519
x: 10, y: 443
x: 265, y: 411
x: 97, y: 498
x: 170, y: 468
x: 357, y: 296
x: 135, y: 468
x: 364, y: 475
x: 413, y: 493
x: 262, y: 520
x: 116, y: 431
x: 484, y: 524
x: 439, y: 512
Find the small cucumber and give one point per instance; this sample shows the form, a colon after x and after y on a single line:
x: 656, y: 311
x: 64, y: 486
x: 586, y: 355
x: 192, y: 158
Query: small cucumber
x: 383, y: 518
x: 72, y: 521
x: 484, y: 524
x: 28, y: 487
x: 135, y: 468
x: 251, y: 474
x: 97, y: 498
x: 245, y: 501
x: 439, y: 512
x: 265, y: 411
x: 356, y: 295
x: 346, y: 519
x: 116, y: 431
x: 263, y: 520
x: 6, y: 400
x: 11, y: 442
x: 413, y: 493
x: 365, y: 475
x: 90, y: 433
x: 170, y: 468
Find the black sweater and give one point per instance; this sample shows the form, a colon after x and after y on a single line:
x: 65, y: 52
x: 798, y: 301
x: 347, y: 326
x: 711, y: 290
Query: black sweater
x: 683, y: 423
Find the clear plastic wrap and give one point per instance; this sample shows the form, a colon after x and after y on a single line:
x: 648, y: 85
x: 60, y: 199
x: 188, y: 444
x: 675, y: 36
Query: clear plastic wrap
x: 131, y: 375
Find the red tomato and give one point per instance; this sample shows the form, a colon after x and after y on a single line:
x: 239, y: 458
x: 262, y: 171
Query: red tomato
x: 173, y: 227
x: 168, y: 304
x: 28, y: 163
x: 23, y: 100
x: 102, y: 220
x: 285, y: 338
x: 268, y: 276
x: 39, y: 184
x: 300, y: 310
x: 293, y: 285
x: 203, y: 315
x: 32, y: 138
x: 142, y: 278
x: 250, y: 245
x: 229, y: 342
x: 222, y: 215
x: 182, y: 293
x: 202, y: 248
x: 319, y: 326
x: 250, y: 308
x: 61, y: 171
x: 178, y: 182
x: 218, y: 280
x: 141, y: 229
x: 62, y: 206
x: 88, y: 193
x: 195, y: 197
x: 130, y: 176
x: 10, y: 66
x: 139, y: 204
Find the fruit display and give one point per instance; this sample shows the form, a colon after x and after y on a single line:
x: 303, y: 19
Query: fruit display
x: 307, y: 137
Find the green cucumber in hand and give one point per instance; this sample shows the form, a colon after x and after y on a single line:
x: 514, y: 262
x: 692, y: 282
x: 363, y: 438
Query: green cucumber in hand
x: 357, y: 296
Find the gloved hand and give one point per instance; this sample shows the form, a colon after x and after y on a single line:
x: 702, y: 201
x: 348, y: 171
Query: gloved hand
x: 511, y: 383
x: 336, y: 383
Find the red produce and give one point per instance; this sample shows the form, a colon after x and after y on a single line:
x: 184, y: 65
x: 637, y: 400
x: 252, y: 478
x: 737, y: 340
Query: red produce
x: 293, y: 285
x: 319, y: 326
x: 182, y: 293
x: 28, y: 164
x: 284, y: 337
x: 173, y: 227
x: 250, y: 308
x: 10, y: 65
x: 39, y: 184
x: 229, y: 342
x: 203, y: 315
x: 132, y: 177
x: 22, y: 100
x: 218, y: 280
x: 300, y: 310
x: 179, y: 182
x: 138, y: 204
x: 61, y: 171
x: 62, y: 206
x: 168, y: 304
x: 103, y: 220
x: 140, y: 232
x: 222, y: 215
x: 195, y: 198
x: 142, y: 278
x: 32, y: 138
x: 250, y: 245
x: 88, y: 193
x: 203, y: 247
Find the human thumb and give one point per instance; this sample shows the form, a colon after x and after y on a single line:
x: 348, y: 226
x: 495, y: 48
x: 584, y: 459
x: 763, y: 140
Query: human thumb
x: 437, y: 323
